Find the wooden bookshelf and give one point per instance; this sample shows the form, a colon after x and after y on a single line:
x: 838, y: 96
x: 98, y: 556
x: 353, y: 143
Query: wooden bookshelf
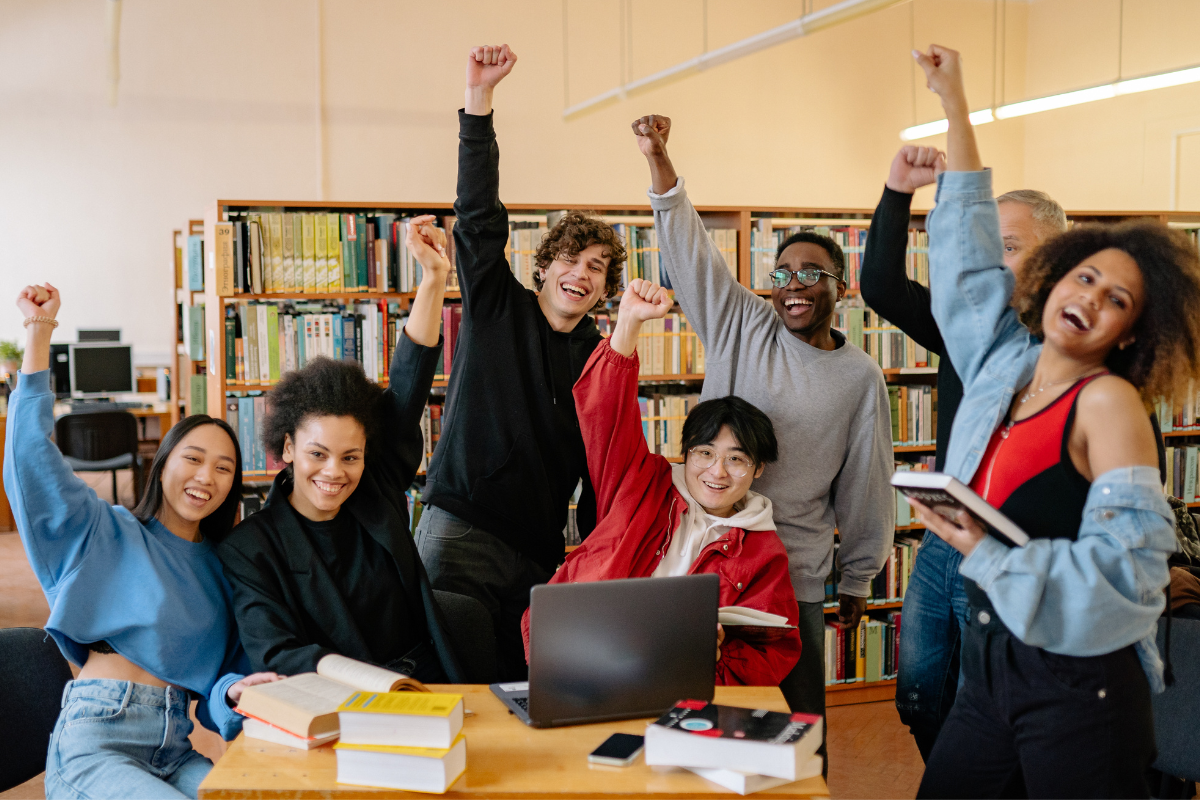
x: 182, y: 368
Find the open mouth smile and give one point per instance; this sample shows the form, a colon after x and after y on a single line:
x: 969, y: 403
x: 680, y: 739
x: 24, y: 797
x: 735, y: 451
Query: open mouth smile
x: 797, y: 306
x: 1076, y: 318
x: 327, y: 488
x: 197, y: 497
x: 573, y: 290
x: 716, y: 487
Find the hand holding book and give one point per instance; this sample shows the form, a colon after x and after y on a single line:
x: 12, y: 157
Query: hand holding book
x: 963, y: 533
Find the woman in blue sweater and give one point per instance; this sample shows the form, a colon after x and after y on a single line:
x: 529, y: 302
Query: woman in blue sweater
x: 137, y: 599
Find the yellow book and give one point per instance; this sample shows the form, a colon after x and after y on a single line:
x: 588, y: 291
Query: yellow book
x: 276, y: 221
x: 290, y: 252
x: 320, y: 227
x: 308, y: 254
x: 333, y: 252
x: 401, y: 719
x: 414, y: 769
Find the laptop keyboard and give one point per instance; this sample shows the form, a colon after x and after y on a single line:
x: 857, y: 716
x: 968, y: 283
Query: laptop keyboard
x: 523, y: 702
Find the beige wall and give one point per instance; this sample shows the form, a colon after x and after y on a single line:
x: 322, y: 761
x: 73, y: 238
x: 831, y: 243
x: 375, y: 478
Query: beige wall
x: 220, y: 98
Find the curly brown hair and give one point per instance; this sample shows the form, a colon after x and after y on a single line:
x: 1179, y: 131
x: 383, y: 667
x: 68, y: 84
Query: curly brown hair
x: 323, y: 388
x: 577, y: 231
x: 1165, y: 353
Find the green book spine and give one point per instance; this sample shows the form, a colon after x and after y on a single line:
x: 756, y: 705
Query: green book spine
x: 273, y: 339
x: 199, y: 394
x: 230, y: 346
x: 360, y: 250
x: 195, y: 316
x: 349, y: 268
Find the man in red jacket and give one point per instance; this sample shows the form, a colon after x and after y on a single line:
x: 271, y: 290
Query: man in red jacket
x: 658, y: 519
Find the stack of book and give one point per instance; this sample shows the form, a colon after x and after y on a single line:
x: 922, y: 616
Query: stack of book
x: 398, y: 740
x: 741, y: 749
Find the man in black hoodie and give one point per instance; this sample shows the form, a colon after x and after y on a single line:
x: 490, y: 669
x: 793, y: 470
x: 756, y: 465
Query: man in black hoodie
x: 510, y: 453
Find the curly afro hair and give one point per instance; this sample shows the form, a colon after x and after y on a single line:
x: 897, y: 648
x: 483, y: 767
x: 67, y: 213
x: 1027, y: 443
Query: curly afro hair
x: 575, y: 232
x: 1165, y: 353
x: 324, y: 388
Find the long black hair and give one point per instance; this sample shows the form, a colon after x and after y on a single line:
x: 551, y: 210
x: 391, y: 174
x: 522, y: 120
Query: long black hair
x: 217, y: 524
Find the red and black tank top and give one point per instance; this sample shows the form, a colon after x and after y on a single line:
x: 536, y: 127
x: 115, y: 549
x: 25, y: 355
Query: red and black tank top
x: 1027, y: 474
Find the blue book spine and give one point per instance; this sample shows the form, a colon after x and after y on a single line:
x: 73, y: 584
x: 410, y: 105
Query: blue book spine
x: 195, y: 263
x: 337, y: 339
x: 246, y: 431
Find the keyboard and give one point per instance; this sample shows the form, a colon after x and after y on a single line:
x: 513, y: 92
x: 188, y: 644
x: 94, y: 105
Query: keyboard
x: 523, y: 702
x: 84, y: 408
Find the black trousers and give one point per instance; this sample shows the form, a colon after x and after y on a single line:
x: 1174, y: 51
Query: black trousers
x: 1072, y: 726
x: 804, y: 686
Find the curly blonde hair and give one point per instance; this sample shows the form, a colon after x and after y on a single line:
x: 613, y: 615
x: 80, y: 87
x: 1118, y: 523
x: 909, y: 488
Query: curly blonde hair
x: 575, y: 232
x: 1165, y: 353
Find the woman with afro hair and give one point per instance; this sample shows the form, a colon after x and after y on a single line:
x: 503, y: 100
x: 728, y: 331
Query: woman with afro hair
x: 328, y: 565
x: 1058, y: 654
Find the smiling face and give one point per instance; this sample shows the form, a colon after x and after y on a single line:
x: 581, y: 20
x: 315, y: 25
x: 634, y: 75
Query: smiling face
x: 326, y: 454
x: 713, y: 487
x: 807, y: 311
x: 196, y: 478
x: 1095, y: 306
x: 572, y: 286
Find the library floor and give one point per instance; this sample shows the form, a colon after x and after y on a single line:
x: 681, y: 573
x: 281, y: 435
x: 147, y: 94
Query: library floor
x: 871, y: 754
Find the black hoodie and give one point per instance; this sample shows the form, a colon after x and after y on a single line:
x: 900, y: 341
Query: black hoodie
x: 510, y: 452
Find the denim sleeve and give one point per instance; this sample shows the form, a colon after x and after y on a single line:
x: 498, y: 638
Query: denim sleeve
x: 970, y: 286
x: 1094, y: 595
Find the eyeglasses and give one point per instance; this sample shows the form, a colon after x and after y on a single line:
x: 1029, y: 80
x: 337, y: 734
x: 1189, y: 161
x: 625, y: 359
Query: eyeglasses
x: 735, y: 465
x: 808, y: 277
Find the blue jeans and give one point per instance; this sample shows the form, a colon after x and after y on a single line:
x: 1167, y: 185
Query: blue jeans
x: 934, y: 614
x: 121, y: 739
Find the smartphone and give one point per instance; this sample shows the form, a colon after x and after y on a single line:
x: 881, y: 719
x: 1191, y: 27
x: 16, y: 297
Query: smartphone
x: 618, y: 750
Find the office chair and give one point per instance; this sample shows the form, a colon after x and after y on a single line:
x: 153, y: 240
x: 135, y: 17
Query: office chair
x: 1177, y: 710
x: 472, y: 633
x: 101, y: 441
x: 30, y: 699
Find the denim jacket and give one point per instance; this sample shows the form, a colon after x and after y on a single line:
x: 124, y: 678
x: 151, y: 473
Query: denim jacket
x: 1091, y: 596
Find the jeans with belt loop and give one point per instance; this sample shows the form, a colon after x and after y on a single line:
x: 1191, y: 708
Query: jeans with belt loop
x: 1073, y: 726
x: 121, y: 739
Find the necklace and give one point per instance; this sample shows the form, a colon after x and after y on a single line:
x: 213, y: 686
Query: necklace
x: 1029, y: 396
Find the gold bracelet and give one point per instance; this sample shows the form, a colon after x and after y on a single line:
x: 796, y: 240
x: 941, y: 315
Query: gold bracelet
x: 51, y: 321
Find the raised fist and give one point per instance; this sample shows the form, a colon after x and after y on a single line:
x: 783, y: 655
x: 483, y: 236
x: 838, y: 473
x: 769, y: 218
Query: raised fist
x: 914, y: 167
x: 652, y: 132
x: 35, y: 301
x: 488, y: 64
x: 427, y: 243
x: 644, y: 300
x: 943, y: 74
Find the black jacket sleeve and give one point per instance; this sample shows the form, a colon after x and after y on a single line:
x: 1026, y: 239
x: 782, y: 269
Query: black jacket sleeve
x: 885, y: 285
x: 481, y: 221
x: 395, y: 452
x: 265, y: 620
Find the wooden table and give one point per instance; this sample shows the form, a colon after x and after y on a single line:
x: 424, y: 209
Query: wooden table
x: 505, y: 759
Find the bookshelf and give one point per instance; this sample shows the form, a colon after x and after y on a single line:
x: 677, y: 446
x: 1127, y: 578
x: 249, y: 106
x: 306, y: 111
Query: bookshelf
x: 182, y: 366
x: 753, y: 230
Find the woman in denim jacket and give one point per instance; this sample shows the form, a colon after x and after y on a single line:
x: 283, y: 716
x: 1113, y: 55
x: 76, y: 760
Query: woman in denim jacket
x: 1059, y: 656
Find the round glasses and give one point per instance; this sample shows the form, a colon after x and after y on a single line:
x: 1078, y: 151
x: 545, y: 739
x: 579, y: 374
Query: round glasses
x: 781, y: 277
x: 736, y: 465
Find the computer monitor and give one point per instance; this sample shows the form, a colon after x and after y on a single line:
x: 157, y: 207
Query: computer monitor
x: 98, y: 335
x: 99, y: 369
x: 60, y: 369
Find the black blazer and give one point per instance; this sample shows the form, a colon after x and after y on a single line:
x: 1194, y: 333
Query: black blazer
x: 289, y: 612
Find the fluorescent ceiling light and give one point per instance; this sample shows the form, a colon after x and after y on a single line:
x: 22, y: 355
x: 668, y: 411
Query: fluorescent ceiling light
x: 1104, y: 92
x: 941, y: 126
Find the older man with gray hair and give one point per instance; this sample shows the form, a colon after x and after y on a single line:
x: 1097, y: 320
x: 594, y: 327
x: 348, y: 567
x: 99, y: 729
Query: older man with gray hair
x: 935, y: 605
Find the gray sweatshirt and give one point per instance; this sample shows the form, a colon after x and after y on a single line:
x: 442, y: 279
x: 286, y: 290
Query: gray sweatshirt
x: 830, y: 410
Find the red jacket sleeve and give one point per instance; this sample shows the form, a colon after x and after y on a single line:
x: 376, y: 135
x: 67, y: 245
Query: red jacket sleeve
x: 768, y: 588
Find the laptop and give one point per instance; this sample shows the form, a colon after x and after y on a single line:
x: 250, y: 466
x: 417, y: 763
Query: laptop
x: 616, y: 650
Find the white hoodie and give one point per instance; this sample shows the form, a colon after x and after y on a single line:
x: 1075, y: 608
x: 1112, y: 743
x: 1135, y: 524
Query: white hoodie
x: 698, y: 529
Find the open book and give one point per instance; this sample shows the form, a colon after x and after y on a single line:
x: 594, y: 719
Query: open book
x: 947, y: 496
x: 306, y: 705
x: 750, y: 623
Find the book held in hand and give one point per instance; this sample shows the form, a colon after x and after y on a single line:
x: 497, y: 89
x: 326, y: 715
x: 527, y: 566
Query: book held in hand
x: 947, y: 496
x: 751, y: 623
x: 413, y: 769
x: 696, y: 733
x: 306, y: 705
x: 403, y: 719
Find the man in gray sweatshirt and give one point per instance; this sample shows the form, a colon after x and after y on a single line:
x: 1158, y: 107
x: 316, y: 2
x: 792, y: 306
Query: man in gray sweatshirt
x: 827, y: 399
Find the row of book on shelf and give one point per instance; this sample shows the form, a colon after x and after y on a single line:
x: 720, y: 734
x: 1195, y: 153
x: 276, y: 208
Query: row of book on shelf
x: 666, y: 346
x: 314, y: 252
x: 765, y: 240
x: 890, y: 585
x: 1179, y: 415
x: 914, y: 414
x: 888, y: 345
x: 1181, y: 473
x: 864, y: 654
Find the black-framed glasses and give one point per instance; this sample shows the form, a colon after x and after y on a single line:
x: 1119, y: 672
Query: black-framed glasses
x: 704, y: 457
x: 781, y: 276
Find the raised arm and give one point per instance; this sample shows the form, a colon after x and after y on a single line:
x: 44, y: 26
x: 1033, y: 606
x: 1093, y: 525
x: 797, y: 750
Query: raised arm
x: 481, y: 225
x: 55, y: 511
x: 716, y: 305
x: 971, y: 288
x: 428, y: 245
x: 885, y: 284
